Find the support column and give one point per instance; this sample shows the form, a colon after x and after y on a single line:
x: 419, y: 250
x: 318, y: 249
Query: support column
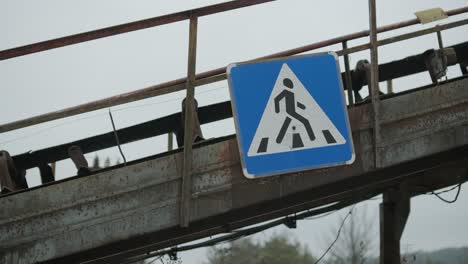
x: 394, y: 212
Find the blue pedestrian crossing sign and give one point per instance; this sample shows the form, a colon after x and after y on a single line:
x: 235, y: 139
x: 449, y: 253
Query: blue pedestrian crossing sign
x: 290, y: 114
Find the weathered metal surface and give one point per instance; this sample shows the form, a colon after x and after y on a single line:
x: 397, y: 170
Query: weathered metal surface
x: 132, y: 209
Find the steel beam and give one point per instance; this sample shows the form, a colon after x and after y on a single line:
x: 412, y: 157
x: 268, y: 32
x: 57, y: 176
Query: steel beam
x: 127, y: 211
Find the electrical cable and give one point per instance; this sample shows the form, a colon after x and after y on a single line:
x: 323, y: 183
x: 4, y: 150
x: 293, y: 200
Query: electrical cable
x: 218, y: 88
x: 337, y: 235
x: 378, y: 197
x: 40, y: 131
x: 303, y: 216
x: 232, y: 236
x: 320, y: 216
x: 445, y: 200
x: 237, y: 234
x: 448, y: 190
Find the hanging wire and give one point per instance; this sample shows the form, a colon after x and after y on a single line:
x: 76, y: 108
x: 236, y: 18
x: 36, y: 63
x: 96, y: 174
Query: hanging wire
x: 241, y: 233
x: 38, y: 132
x: 448, y: 190
x: 437, y: 194
x: 337, y: 235
x: 237, y: 234
x: 214, y: 89
x: 320, y: 216
x: 117, y: 138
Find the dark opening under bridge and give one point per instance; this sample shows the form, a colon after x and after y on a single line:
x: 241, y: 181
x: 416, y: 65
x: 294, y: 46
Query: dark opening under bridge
x: 122, y: 213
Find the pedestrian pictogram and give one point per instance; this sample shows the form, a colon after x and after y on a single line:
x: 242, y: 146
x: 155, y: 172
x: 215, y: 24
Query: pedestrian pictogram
x: 292, y: 120
x: 290, y: 114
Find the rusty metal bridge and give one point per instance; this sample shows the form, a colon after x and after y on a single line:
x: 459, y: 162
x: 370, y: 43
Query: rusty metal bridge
x: 406, y: 144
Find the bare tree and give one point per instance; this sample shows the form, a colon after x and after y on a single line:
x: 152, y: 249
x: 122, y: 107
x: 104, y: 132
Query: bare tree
x: 277, y: 249
x: 356, y: 239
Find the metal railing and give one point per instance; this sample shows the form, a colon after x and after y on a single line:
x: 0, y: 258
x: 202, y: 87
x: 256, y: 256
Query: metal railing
x: 201, y: 78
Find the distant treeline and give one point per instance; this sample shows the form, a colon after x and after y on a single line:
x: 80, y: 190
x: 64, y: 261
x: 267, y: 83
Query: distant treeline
x: 442, y: 256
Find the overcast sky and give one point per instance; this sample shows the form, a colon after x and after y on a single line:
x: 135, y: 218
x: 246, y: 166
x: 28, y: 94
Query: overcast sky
x: 60, y: 78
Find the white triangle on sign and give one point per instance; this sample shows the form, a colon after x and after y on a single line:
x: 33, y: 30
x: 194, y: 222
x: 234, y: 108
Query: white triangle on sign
x: 292, y: 120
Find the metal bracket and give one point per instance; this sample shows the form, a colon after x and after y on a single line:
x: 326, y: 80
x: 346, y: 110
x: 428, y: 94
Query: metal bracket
x: 47, y: 174
x: 197, y: 134
x: 436, y: 64
x: 360, y: 77
x: 11, y: 179
x: 78, y: 158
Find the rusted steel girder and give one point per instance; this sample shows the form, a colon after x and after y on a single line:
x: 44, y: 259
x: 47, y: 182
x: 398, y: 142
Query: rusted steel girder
x: 131, y: 210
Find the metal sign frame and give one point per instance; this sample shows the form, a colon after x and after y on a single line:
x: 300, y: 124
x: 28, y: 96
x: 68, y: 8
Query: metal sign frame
x: 242, y: 152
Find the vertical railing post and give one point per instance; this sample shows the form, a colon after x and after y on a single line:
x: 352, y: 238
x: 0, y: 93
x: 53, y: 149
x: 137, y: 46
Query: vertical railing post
x: 54, y: 169
x: 186, y: 190
x: 349, y: 85
x: 390, y: 86
x: 439, y: 40
x: 374, y: 77
x: 441, y: 48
